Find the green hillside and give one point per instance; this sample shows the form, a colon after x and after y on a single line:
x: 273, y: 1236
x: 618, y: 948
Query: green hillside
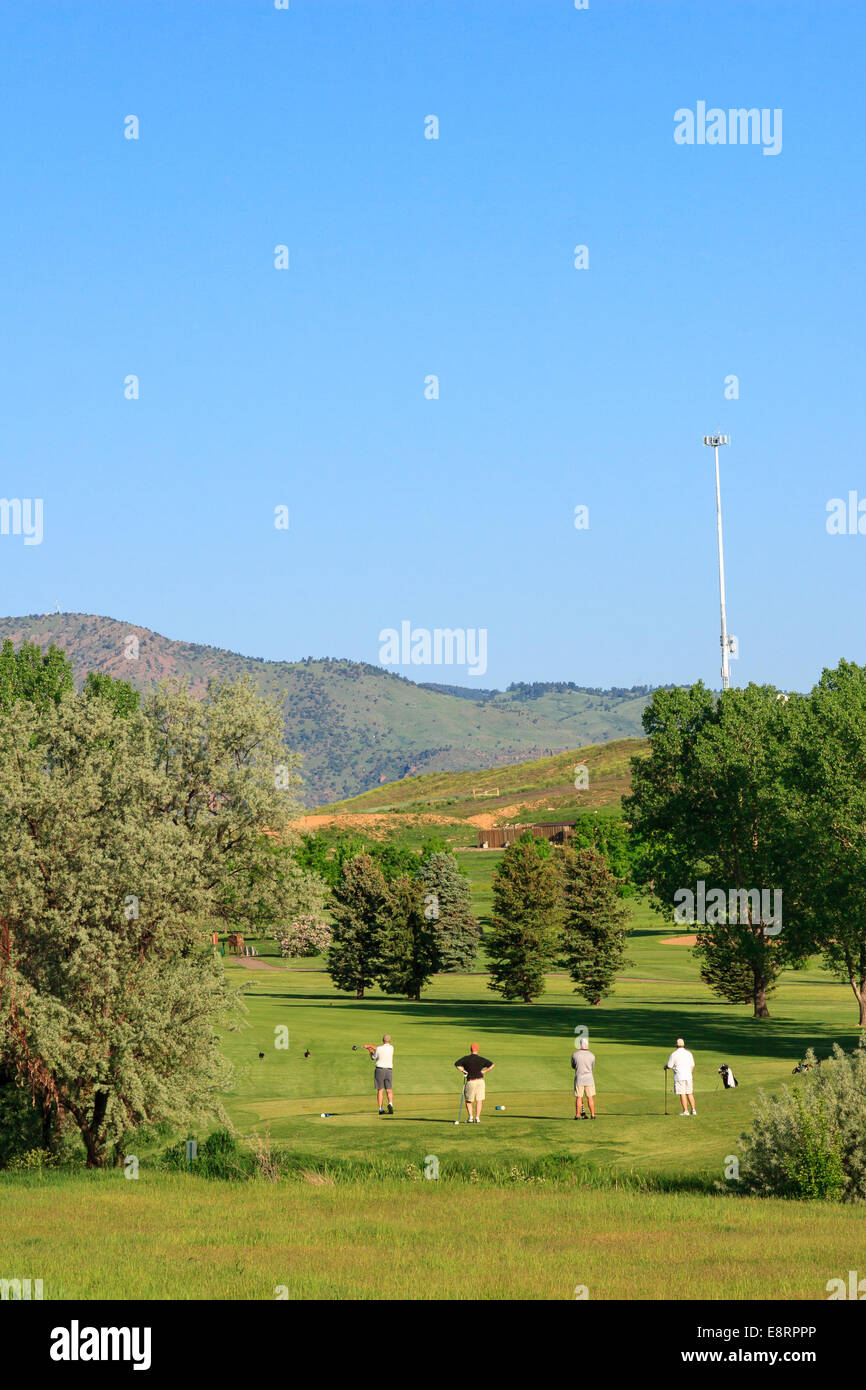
x: 357, y: 726
x: 541, y: 790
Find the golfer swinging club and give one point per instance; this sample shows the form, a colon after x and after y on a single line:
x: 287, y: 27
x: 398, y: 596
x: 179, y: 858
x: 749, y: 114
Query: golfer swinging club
x: 382, y: 1058
x: 682, y: 1063
x: 474, y: 1068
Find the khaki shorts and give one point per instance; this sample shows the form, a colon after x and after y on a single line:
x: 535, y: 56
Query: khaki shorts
x: 587, y: 1090
x: 475, y: 1090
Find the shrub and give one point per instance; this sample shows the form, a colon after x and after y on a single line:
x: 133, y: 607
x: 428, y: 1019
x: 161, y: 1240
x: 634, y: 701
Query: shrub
x: 32, y: 1160
x: 810, y: 1141
x: 219, y: 1156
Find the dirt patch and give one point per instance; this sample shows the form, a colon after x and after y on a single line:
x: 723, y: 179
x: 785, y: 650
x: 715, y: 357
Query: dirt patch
x: 375, y: 823
x: 486, y: 821
x: 251, y: 963
x: 680, y: 941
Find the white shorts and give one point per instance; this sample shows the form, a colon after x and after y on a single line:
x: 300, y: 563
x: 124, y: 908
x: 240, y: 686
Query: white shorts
x: 683, y: 1088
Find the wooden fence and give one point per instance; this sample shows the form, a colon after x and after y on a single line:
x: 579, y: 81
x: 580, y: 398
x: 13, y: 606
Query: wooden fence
x: 503, y: 835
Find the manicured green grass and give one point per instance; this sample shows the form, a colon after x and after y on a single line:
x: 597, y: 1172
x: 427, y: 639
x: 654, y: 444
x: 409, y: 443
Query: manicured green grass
x: 530, y: 1204
x: 162, y: 1236
x: 659, y: 998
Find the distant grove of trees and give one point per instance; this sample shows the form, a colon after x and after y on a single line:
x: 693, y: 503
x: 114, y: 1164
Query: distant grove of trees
x: 533, y: 690
x: 399, y: 917
x: 556, y: 907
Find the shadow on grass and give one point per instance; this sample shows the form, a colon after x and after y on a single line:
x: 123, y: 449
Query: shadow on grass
x: 731, y: 1036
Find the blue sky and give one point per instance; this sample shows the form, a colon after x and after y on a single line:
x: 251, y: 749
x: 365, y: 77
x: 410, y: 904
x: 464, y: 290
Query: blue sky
x: 454, y: 257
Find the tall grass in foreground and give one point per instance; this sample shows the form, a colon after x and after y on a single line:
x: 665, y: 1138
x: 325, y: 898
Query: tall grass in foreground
x: 170, y: 1235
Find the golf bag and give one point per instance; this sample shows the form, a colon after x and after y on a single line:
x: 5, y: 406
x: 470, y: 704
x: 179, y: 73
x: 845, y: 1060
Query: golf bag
x: 730, y: 1081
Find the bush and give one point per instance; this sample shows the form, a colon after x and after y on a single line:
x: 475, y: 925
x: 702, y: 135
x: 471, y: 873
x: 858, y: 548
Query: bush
x: 219, y: 1156
x: 810, y: 1141
x: 32, y: 1160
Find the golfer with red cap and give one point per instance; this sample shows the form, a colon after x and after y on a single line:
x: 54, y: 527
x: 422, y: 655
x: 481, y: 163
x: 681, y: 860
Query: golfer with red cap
x: 474, y: 1068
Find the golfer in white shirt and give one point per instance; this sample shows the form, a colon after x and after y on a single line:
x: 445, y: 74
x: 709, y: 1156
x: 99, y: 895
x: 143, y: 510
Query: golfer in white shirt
x: 682, y: 1064
x: 382, y: 1058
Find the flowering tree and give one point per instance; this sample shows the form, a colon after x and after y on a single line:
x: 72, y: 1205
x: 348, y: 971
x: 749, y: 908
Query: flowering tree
x: 306, y: 935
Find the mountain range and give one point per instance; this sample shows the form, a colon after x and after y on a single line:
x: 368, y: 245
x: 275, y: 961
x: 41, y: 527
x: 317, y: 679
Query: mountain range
x: 357, y: 726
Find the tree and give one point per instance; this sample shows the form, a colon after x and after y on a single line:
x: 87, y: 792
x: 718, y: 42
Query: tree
x: 448, y: 907
x: 230, y: 777
x: 712, y: 804
x: 360, y: 906
x: 525, y: 919
x: 594, y: 924
x: 326, y: 856
x: 434, y: 844
x: 123, y: 696
x: 831, y: 859
x: 408, y: 947
x: 306, y: 935
x: 40, y: 678
x: 119, y: 838
x: 107, y: 999
x: 609, y: 835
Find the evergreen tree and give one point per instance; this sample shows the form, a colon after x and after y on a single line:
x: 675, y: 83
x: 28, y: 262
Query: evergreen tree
x: 361, y: 908
x: 594, y: 925
x: 448, y: 907
x: 408, y: 947
x: 527, y: 896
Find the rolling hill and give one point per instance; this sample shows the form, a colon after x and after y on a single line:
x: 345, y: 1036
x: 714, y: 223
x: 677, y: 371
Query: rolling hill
x: 457, y: 805
x: 357, y: 726
x: 539, y: 790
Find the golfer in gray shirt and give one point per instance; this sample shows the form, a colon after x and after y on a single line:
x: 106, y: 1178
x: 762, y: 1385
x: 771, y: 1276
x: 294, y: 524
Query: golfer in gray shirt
x: 582, y: 1062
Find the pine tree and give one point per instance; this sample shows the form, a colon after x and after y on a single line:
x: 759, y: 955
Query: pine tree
x: 361, y: 911
x: 448, y: 906
x: 408, y: 948
x: 527, y: 897
x: 594, y: 928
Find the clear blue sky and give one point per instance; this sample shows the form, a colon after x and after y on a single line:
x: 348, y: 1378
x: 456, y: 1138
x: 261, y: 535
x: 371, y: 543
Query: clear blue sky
x: 454, y: 256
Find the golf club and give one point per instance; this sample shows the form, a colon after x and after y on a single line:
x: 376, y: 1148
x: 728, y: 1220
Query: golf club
x: 666, y: 1090
x: 460, y: 1107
